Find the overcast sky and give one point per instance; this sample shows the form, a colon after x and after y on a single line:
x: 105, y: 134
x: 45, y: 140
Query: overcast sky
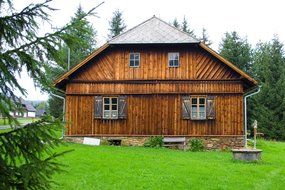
x: 258, y: 20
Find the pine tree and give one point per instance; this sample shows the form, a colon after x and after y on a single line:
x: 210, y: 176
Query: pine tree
x: 117, y: 24
x: 185, y: 27
x: 269, y: 105
x: 175, y: 23
x: 205, y: 37
x: 237, y: 50
x: 27, y: 158
x: 81, y: 48
x: 41, y: 105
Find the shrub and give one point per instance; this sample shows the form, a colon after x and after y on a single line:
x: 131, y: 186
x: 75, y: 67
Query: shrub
x: 154, y: 142
x: 196, y: 145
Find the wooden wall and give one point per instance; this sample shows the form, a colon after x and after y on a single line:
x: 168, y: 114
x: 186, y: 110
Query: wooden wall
x: 154, y: 115
x: 194, y: 64
x: 154, y: 93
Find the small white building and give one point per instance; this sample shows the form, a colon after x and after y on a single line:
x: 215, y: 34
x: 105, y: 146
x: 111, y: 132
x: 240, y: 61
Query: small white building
x: 28, y: 110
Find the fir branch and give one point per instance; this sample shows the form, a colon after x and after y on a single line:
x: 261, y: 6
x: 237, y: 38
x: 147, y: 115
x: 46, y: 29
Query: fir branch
x: 27, y: 153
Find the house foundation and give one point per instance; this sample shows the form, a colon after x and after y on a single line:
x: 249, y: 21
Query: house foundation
x: 210, y: 143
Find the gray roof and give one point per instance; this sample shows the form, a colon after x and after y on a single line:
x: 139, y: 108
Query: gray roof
x: 27, y: 105
x: 153, y: 31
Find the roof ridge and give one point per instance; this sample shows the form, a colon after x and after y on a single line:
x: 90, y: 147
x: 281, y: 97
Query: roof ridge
x: 184, y: 36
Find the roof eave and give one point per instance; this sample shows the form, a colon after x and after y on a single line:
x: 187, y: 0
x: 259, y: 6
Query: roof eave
x: 150, y: 43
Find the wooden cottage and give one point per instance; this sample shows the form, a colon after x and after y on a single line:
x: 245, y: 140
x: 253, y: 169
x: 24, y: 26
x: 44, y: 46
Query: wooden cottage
x: 156, y: 80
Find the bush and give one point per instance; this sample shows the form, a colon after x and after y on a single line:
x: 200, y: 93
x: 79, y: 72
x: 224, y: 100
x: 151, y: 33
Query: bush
x: 196, y: 145
x: 154, y: 142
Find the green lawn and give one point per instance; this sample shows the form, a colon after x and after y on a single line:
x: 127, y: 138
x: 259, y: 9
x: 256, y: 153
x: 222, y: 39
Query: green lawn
x: 4, y: 130
x: 21, y: 121
x: 109, y: 167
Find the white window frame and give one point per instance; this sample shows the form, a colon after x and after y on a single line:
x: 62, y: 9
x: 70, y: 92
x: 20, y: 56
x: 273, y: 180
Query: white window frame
x: 112, y: 114
x: 198, y: 106
x: 172, y: 57
x: 134, y: 59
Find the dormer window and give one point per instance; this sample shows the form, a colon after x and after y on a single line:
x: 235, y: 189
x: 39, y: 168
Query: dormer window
x: 173, y: 59
x: 134, y: 59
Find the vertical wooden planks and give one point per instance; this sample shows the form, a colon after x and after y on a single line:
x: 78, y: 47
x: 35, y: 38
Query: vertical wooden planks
x: 154, y: 115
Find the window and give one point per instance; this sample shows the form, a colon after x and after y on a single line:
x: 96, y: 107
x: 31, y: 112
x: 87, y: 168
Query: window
x: 173, y: 59
x: 198, y: 108
x: 134, y: 59
x: 110, y: 108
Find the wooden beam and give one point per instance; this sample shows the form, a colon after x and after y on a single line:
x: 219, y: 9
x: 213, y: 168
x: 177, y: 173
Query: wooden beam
x: 151, y: 81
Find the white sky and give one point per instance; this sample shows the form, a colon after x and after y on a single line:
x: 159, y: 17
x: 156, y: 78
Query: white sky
x: 258, y: 20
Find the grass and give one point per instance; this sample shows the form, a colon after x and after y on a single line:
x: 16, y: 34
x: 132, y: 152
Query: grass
x: 21, y: 121
x: 109, y: 167
x: 4, y: 130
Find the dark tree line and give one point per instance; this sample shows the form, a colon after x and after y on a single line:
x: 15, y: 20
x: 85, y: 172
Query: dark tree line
x: 266, y: 63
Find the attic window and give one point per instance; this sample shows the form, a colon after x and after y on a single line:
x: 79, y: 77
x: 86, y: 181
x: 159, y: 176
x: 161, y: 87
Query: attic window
x: 134, y: 59
x: 173, y: 59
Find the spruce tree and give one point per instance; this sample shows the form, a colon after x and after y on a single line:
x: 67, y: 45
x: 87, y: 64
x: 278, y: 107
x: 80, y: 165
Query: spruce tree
x: 175, y: 23
x: 185, y: 27
x: 80, y: 49
x: 205, y: 37
x: 237, y: 50
x: 117, y: 24
x: 269, y: 105
x: 27, y: 158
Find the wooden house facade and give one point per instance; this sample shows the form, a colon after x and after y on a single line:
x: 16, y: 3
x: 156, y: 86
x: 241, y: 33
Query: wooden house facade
x: 155, y: 80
